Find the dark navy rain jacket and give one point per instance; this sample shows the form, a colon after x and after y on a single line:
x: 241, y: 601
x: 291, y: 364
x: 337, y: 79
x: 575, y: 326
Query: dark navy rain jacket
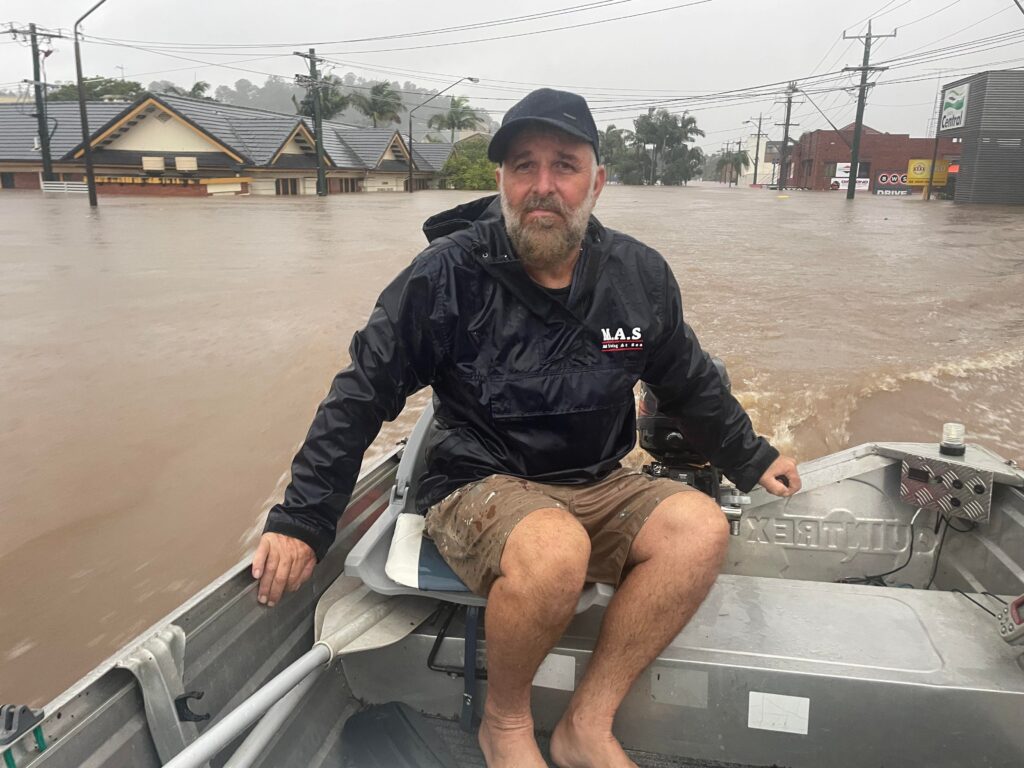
x: 524, y: 384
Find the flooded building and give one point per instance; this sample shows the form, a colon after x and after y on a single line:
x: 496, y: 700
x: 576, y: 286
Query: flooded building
x: 817, y: 159
x: 169, y: 145
x: 986, y: 113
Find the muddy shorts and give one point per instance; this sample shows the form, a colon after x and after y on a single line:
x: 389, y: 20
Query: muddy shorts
x: 471, y: 525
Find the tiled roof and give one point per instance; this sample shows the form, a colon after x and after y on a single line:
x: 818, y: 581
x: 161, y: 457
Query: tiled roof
x: 254, y: 134
x: 19, y: 128
x: 368, y: 144
x: 430, y: 157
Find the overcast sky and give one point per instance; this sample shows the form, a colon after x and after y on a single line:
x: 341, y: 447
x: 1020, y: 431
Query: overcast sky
x: 706, y: 47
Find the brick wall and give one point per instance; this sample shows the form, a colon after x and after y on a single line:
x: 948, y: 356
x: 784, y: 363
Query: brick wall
x: 884, y: 151
x: 26, y: 180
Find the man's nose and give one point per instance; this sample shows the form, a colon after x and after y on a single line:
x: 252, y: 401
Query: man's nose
x: 544, y: 182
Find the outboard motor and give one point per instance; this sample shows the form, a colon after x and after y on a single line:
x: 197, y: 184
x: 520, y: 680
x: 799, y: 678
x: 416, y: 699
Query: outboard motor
x: 674, y: 457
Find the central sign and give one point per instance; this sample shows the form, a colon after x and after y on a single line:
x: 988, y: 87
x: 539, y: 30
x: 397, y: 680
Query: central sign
x: 954, y: 107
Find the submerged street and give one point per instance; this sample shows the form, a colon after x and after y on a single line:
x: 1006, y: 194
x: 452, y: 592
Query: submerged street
x: 162, y: 360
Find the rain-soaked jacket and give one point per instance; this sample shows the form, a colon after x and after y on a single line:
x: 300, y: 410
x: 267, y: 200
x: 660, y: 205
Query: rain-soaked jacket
x: 524, y: 385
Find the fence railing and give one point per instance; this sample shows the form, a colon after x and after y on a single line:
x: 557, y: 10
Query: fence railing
x: 74, y: 187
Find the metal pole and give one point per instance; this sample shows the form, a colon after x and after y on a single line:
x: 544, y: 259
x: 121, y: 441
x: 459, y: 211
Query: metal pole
x: 318, y: 126
x: 90, y: 176
x: 851, y: 186
x: 757, y: 148
x: 226, y: 730
x: 269, y: 725
x: 410, y: 146
x: 419, y: 106
x: 44, y: 129
x: 935, y: 157
x: 784, y: 150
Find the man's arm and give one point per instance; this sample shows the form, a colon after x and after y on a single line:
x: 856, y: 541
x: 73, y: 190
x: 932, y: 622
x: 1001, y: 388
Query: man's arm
x: 689, y: 387
x: 392, y: 357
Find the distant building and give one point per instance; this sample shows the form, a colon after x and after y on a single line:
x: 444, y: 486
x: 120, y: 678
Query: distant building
x: 986, y: 113
x: 816, y: 160
x: 163, y: 144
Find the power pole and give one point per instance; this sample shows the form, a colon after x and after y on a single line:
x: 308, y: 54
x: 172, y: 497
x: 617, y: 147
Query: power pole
x: 313, y: 82
x: 757, y: 146
x: 851, y: 187
x: 739, y: 152
x: 728, y: 167
x: 33, y: 35
x: 784, y: 150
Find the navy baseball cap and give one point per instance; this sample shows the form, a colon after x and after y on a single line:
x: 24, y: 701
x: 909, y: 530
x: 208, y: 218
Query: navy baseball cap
x: 563, y: 110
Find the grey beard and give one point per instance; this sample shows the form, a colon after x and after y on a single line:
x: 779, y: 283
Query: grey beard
x: 546, y: 244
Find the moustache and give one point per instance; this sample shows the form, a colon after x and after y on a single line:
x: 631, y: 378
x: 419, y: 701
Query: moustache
x: 544, y: 204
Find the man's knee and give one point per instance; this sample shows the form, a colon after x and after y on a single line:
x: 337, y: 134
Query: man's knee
x: 685, y: 521
x: 547, y: 554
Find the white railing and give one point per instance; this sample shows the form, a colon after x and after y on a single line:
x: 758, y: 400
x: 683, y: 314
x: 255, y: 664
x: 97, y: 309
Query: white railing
x: 65, y: 186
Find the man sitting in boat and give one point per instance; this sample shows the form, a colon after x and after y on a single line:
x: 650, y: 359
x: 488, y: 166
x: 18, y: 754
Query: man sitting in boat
x: 533, y: 323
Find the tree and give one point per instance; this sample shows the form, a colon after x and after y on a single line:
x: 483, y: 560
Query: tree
x: 734, y: 163
x: 468, y: 166
x: 382, y: 104
x: 683, y: 164
x: 333, y: 101
x: 98, y: 88
x: 197, y: 91
x: 459, y: 117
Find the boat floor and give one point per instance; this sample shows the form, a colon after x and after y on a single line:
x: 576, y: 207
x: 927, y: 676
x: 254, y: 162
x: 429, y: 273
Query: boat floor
x: 467, y: 754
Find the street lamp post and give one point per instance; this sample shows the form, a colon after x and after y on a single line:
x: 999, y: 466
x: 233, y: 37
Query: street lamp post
x: 757, y: 146
x: 411, y: 111
x: 90, y: 176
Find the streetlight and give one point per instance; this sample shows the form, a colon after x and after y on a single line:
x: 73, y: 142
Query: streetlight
x: 757, y: 146
x: 90, y: 176
x: 411, y: 111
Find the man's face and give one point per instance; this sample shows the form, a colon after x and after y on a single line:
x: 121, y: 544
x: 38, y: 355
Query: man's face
x: 548, y: 187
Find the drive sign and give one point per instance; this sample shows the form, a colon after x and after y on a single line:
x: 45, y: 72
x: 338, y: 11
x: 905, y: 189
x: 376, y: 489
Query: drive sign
x: 954, y: 107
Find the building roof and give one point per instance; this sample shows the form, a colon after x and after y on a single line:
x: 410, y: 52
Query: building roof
x: 19, y: 129
x: 254, y: 135
x: 431, y: 156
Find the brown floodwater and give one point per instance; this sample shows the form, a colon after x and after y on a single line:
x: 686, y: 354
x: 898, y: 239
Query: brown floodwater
x: 161, y: 360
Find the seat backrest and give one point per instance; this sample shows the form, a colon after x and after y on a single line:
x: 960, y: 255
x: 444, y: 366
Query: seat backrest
x: 368, y: 559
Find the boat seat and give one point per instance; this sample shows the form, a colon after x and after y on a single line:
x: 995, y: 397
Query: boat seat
x: 394, y: 557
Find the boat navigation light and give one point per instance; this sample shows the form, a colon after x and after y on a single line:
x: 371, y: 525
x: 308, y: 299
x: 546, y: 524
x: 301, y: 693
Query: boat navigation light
x: 952, y: 439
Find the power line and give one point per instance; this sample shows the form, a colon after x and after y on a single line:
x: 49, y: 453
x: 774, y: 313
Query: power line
x: 437, y: 31
x: 928, y: 16
x: 531, y: 34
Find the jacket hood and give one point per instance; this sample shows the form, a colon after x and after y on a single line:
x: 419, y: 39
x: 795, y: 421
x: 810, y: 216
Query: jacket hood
x: 461, y: 217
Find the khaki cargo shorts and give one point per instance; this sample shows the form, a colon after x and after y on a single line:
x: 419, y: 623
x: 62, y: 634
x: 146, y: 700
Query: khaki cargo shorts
x: 472, y: 524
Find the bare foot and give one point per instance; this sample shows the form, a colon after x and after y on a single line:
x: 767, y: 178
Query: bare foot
x: 509, y: 743
x: 577, y: 743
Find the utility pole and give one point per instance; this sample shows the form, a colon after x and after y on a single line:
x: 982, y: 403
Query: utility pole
x: 757, y: 146
x: 736, y: 168
x: 784, y: 150
x: 313, y: 82
x: 728, y: 167
x: 33, y: 35
x: 851, y: 187
x: 90, y: 171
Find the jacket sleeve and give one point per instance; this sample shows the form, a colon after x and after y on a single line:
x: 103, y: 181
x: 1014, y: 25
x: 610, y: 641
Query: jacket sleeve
x: 689, y: 388
x: 391, y: 358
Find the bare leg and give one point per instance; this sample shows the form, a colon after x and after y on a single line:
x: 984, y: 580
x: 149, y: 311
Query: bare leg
x: 674, y: 560
x: 543, y: 568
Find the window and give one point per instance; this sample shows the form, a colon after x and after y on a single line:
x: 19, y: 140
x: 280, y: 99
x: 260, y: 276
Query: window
x: 286, y: 186
x: 830, y: 170
x: 6, y: 181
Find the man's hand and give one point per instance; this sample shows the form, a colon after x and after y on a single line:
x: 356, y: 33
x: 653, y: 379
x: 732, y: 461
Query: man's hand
x: 781, y: 478
x: 280, y: 563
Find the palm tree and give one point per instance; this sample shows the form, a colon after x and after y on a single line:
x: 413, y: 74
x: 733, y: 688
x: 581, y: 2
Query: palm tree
x: 197, y: 91
x: 459, y: 117
x: 333, y: 100
x: 382, y: 104
x: 734, y: 163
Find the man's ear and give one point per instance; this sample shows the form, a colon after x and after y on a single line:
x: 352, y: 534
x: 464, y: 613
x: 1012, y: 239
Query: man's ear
x: 599, y: 179
x: 497, y: 176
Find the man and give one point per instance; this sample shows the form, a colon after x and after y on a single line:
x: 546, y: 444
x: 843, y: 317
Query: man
x: 532, y: 323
